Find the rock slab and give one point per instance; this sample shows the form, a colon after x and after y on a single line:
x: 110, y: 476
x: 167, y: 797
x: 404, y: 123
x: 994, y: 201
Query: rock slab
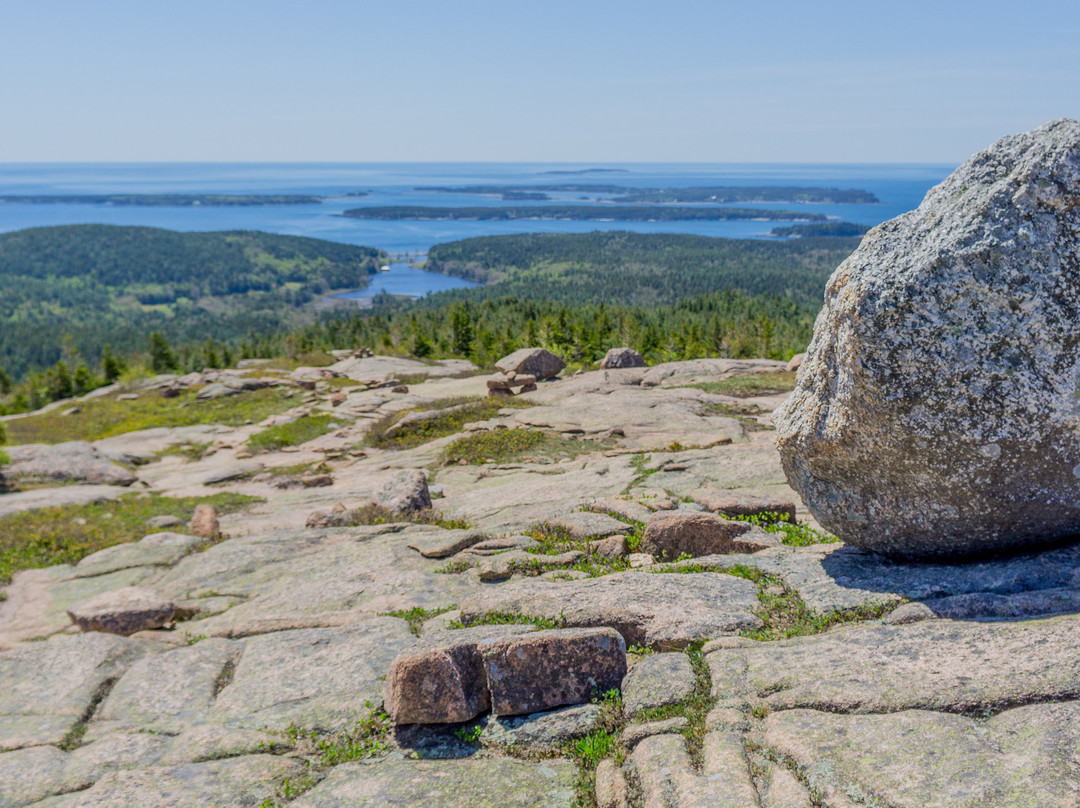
x: 123, y: 611
x: 670, y: 534
x: 936, y: 411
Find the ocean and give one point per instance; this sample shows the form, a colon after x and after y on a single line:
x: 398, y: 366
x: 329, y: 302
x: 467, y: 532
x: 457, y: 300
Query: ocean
x: 899, y: 187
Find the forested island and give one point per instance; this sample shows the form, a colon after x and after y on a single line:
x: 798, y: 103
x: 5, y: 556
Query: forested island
x: 80, y: 287
x: 819, y: 230
x: 708, y: 194
x: 169, y: 200
x: 588, y: 213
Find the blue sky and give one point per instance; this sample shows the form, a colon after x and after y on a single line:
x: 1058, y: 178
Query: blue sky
x: 404, y: 80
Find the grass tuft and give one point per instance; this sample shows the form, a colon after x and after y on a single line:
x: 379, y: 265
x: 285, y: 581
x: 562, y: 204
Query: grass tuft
x: 293, y: 433
x: 448, y: 416
x: 504, y: 445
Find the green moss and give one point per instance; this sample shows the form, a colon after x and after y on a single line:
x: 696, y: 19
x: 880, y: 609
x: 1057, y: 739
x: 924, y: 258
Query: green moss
x: 381, y: 435
x: 67, y: 533
x: 295, y: 432
x: 507, y: 619
x: 417, y: 616
x: 751, y: 384
x: 504, y: 445
x: 105, y: 417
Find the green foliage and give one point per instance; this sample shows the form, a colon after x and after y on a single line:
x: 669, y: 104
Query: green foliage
x: 162, y: 358
x: 295, y: 432
x: 105, y: 417
x: 507, y: 619
x: 67, y: 533
x: 503, y: 445
x: 470, y: 735
x: 747, y: 385
x: 98, y: 284
x: 417, y: 616
x: 452, y: 415
x: 819, y: 229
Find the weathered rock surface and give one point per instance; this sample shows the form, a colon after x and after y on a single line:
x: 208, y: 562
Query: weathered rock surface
x: 622, y: 358
x: 670, y: 534
x: 75, y: 461
x: 441, y: 679
x: 922, y: 759
x: 664, y: 611
x: 943, y: 361
x: 931, y: 665
x: 657, y: 680
x: 404, y: 491
x: 533, y: 361
x: 541, y: 730
x: 547, y: 669
x: 740, y: 504
x: 123, y: 611
x: 668, y: 778
x: 583, y: 526
x: 475, y: 782
x: 204, y: 522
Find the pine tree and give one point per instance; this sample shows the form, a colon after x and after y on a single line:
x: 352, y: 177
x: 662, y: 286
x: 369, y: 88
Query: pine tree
x: 162, y: 358
x: 111, y: 365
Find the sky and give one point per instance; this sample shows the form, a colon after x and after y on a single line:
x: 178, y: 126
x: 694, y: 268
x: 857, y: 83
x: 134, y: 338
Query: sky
x: 552, y: 81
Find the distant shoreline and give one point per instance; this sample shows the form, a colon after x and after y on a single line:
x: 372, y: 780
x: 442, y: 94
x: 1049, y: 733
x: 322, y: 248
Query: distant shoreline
x: 171, y: 200
x: 606, y: 213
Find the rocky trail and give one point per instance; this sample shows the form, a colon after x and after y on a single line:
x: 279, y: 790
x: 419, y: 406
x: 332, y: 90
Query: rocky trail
x: 307, y: 664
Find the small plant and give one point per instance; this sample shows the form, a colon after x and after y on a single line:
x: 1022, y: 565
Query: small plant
x: 417, y: 616
x: 469, y: 735
x: 453, y: 568
x: 508, y: 619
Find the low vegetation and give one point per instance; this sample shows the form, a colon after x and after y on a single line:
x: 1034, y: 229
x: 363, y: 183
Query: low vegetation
x: 747, y: 385
x: 417, y: 616
x: 106, y: 416
x: 65, y: 534
x: 520, y: 444
x: 442, y: 418
x: 300, y: 430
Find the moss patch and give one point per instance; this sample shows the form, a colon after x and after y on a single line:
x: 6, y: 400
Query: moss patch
x: 751, y: 384
x: 504, y: 445
x: 105, y: 417
x: 449, y: 415
x: 66, y: 534
x: 293, y: 433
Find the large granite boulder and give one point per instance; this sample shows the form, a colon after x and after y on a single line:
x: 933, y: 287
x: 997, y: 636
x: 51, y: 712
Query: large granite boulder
x: 938, y: 410
x: 533, y: 361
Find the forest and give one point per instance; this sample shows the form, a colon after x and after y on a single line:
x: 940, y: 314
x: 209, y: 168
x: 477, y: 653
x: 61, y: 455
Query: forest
x: 818, y: 230
x: 712, y: 193
x: 80, y: 287
x: 622, y: 213
x: 639, y: 268
x: 170, y: 200
x: 668, y: 296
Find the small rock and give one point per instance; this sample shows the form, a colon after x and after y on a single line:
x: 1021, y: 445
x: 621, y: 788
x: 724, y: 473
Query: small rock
x: 547, y: 669
x: 527, y: 388
x: 401, y: 388
x: 657, y: 680
x: 671, y: 534
x: 170, y: 392
x: 123, y: 611
x: 640, y: 560
x: 795, y: 362
x: 505, y: 565
x: 338, y: 399
x: 72, y: 411
x: 583, y: 526
x: 611, y: 548
x: 909, y: 613
x: 536, y: 361
x: 164, y: 521
x: 441, y: 679
x: 243, y: 455
x: 542, y: 730
x: 498, y: 382
x: 445, y: 543
x: 622, y: 358
x: 404, y: 491
x: 316, y: 480
x: 205, y: 521
x: 127, y: 397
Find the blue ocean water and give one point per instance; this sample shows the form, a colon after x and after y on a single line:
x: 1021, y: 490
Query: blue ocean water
x: 899, y: 188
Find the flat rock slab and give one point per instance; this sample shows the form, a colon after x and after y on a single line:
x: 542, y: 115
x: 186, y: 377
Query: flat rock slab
x: 670, y: 534
x: 472, y: 782
x: 626, y: 509
x: 53, y: 497
x: 157, y: 549
x: 123, y: 611
x: 444, y: 543
x: 695, y: 371
x: 541, y: 730
x: 936, y: 665
x: 74, y: 461
x: 1022, y: 757
x: 663, y: 611
x: 241, y: 781
x: 585, y: 526
x: 546, y: 669
x: 58, y: 680
x: 657, y: 680
x: 316, y: 678
x: 668, y: 778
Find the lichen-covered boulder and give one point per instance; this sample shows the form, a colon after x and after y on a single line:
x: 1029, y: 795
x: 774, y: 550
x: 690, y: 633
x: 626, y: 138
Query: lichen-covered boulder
x: 533, y: 361
x: 622, y: 358
x: 937, y: 412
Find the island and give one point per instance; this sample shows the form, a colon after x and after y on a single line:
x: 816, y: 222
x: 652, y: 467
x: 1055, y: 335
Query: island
x: 168, y: 200
x: 586, y: 213
x: 819, y: 230
x: 714, y: 194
